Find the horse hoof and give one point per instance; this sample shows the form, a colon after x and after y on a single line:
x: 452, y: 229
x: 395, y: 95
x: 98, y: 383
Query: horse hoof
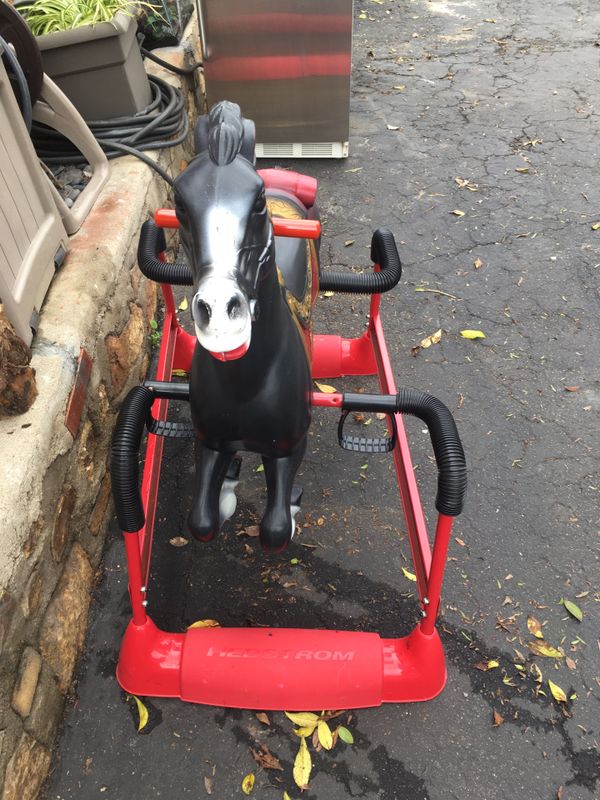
x: 227, y: 501
x: 202, y: 532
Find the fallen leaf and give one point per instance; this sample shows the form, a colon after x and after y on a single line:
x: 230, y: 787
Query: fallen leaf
x: 459, y: 541
x: 204, y: 623
x: 573, y: 609
x: 557, y: 692
x: 348, y: 242
x: 522, y: 170
x: 560, y: 793
x: 544, y: 649
x: 323, y: 387
x: 596, y: 226
x: 265, y: 758
x: 183, y: 306
x: 492, y: 664
x: 142, y: 711
x: 508, y: 681
x: 491, y: 21
x: 534, y: 626
x: 400, y: 88
x: 572, y: 388
x: 408, y: 574
x: 328, y: 294
x: 306, y: 730
x: 393, y: 127
x: 252, y: 531
x: 469, y: 334
x: 498, y: 719
x: 435, y: 338
x: 537, y: 673
x: 260, y: 468
x: 178, y: 541
x: 294, y: 561
x: 262, y: 717
x: 478, y: 263
x: 458, y: 213
x: 286, y: 796
x: 179, y: 373
x: 325, y: 737
x: 302, y: 765
x: 303, y: 718
x: 570, y: 663
x: 248, y: 783
x: 356, y: 169
x: 345, y: 735
x: 208, y: 784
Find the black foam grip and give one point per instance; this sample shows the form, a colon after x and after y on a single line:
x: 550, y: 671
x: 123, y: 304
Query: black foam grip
x: 383, y: 252
x: 152, y: 242
x: 449, y: 454
x: 125, y: 457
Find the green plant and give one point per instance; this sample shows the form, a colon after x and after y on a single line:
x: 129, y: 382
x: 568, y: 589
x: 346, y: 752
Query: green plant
x: 49, y: 16
x: 155, y: 334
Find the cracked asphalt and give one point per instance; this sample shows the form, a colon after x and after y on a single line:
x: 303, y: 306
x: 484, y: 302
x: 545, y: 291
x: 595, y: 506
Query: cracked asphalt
x: 489, y: 109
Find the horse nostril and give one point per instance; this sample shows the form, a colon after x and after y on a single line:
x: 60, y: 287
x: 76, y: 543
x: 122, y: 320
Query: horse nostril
x: 203, y: 313
x: 233, y: 307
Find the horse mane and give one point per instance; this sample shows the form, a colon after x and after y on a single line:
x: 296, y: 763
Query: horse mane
x: 225, y: 132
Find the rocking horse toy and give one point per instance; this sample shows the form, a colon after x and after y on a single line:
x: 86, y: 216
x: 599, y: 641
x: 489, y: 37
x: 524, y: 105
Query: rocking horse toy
x: 251, y: 239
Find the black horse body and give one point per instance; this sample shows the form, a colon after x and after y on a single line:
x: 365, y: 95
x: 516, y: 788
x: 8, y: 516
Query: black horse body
x: 257, y: 396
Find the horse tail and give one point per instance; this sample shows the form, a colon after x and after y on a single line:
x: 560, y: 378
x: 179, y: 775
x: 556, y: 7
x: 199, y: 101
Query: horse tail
x: 225, y: 132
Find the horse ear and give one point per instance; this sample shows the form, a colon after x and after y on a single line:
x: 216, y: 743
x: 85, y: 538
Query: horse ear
x: 248, y: 148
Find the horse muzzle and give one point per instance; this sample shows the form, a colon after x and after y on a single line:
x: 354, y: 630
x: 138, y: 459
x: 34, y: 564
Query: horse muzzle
x: 222, y: 317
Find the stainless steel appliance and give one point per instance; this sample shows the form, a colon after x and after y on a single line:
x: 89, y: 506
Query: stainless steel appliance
x: 287, y: 63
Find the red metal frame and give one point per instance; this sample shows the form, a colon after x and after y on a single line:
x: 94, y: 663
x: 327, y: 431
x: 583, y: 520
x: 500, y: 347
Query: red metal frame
x: 288, y: 668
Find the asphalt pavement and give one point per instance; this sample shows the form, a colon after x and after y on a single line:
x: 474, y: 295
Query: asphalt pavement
x: 474, y: 138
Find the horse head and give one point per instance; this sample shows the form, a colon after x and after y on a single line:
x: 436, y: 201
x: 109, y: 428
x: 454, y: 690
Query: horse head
x: 226, y: 234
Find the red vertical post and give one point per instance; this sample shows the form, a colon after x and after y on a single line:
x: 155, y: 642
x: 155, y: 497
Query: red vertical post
x: 134, y: 570
x: 436, y: 572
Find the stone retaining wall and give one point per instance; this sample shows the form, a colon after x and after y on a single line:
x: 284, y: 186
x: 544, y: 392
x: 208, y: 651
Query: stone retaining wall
x: 91, y: 347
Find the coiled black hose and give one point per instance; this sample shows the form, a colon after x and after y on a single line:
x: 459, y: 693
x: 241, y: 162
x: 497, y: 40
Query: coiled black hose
x: 125, y: 456
x: 383, y: 252
x: 24, y: 100
x: 164, y: 123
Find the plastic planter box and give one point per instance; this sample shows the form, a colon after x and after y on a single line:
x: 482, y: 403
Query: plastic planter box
x: 99, y: 68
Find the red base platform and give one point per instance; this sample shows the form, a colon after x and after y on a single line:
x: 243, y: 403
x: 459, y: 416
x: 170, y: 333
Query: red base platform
x: 281, y: 668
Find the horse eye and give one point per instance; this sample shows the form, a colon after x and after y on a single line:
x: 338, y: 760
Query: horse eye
x: 259, y: 203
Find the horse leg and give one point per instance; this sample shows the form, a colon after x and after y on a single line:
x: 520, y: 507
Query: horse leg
x: 205, y: 517
x: 277, y: 525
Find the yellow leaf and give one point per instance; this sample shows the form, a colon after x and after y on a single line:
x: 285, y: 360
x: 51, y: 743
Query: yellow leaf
x: 408, y: 574
x: 183, y: 306
x: 179, y: 373
x: 435, y: 338
x: 204, y: 623
x: 362, y: 15
x: 557, y: 692
x: 328, y: 294
x: 492, y: 664
x: 305, y: 730
x: 544, y: 649
x: 248, y: 783
x: 458, y: 213
x: 535, y: 627
x: 324, y: 733
x: 522, y: 170
x: 286, y: 796
x: 302, y: 765
x: 468, y: 334
x: 303, y: 718
x: 323, y: 387
x: 537, y: 673
x: 142, y: 711
x: 596, y: 226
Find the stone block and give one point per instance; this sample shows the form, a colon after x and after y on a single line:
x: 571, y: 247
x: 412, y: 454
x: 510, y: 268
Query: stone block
x: 47, y: 707
x: 61, y: 532
x: 27, y: 681
x: 26, y: 770
x: 124, y: 350
x: 101, y: 506
x: 64, y: 626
